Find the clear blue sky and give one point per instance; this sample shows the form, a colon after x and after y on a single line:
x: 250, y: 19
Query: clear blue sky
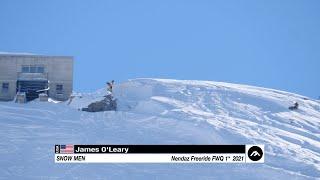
x: 269, y: 43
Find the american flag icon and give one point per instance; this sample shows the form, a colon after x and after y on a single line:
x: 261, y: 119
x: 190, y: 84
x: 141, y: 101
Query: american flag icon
x: 66, y: 149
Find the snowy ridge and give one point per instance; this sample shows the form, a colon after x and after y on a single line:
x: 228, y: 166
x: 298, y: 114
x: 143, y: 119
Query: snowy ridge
x: 259, y: 115
x: 162, y: 111
x: 15, y: 53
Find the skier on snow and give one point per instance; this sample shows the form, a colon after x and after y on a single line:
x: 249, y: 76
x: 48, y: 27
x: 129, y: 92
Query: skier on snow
x: 294, y: 107
x: 110, y: 86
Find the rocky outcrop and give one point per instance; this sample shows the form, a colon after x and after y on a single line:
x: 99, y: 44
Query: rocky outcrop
x: 107, y: 104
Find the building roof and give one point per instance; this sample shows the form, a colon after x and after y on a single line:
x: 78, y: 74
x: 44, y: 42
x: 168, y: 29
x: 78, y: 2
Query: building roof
x: 23, y: 54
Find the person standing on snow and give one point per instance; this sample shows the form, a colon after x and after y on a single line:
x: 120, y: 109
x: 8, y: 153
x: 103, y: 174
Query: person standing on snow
x: 110, y: 86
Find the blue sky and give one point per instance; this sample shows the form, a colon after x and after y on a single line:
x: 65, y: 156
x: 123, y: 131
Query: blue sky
x: 268, y: 43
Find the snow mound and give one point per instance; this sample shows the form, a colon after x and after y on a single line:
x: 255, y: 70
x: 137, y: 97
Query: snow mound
x: 162, y: 111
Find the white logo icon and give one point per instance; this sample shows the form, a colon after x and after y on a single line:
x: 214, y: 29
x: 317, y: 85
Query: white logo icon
x: 255, y: 153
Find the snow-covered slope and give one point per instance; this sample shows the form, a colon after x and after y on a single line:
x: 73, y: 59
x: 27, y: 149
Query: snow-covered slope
x: 158, y: 111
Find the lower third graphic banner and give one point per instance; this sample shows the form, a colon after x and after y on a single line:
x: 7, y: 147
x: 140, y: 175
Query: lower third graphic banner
x: 159, y: 153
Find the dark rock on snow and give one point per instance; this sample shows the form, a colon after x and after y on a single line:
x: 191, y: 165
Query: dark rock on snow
x: 107, y: 104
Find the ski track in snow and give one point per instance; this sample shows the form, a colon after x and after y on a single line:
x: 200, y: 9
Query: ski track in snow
x: 162, y: 111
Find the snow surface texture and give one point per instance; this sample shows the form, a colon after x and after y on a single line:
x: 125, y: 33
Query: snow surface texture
x: 158, y: 111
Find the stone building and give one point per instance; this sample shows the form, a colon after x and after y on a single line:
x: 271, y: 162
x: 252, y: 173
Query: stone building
x: 35, y: 74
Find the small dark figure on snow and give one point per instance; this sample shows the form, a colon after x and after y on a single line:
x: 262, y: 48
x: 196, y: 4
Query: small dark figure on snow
x: 110, y: 86
x: 294, y: 107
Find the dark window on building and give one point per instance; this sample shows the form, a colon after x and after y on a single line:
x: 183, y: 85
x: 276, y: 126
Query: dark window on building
x: 5, y: 87
x: 32, y: 69
x: 59, y: 89
x: 40, y: 69
x: 25, y: 69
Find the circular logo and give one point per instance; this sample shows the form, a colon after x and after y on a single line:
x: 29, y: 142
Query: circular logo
x: 255, y: 153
